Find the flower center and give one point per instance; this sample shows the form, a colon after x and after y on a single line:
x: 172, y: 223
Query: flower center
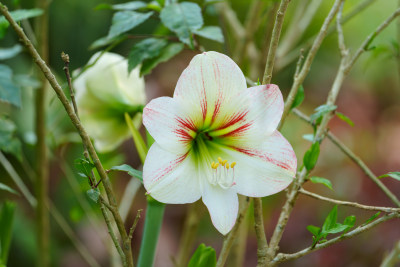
x: 223, y: 173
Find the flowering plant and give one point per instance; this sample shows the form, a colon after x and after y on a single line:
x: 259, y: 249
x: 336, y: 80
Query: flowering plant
x: 215, y: 139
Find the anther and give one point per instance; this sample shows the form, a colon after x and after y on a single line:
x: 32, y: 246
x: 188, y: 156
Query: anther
x: 233, y: 164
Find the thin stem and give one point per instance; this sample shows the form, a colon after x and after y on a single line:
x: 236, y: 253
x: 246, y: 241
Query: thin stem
x: 194, y: 213
x: 133, y: 227
x: 308, y: 61
x: 354, y: 158
x: 285, y: 257
x: 262, y: 244
x: 82, y: 132
x: 348, y: 203
x: 228, y: 242
x: 151, y: 232
x: 42, y: 165
x: 276, y: 32
x: 137, y: 138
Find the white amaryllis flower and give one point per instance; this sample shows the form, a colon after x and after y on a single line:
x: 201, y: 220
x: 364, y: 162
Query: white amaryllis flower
x: 104, y: 93
x: 215, y: 139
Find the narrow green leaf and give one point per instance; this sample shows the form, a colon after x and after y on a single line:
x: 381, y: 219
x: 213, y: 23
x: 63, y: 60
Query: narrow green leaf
x: 137, y: 138
x: 311, y: 156
x: 308, y: 137
x: 321, y: 111
x: 93, y: 194
x: 345, y: 118
x: 103, y: 41
x: 330, y: 221
x: 9, y: 92
x: 7, y: 188
x: 373, y: 217
x: 182, y: 18
x: 298, y: 98
x: 6, y: 223
x: 124, y: 21
x: 133, y: 5
x: 337, y: 229
x: 315, y: 230
x: 394, y: 175
x: 131, y: 171
x: 145, y: 49
x: 6, y: 53
x: 166, y: 54
x: 203, y: 257
x: 350, y: 222
x: 84, y: 167
x: 320, y: 180
x: 18, y: 15
x: 211, y: 32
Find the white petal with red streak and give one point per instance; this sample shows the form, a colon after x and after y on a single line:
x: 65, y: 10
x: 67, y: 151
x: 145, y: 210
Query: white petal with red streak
x: 209, y: 82
x: 223, y: 206
x: 170, y: 123
x: 262, y: 169
x: 171, y: 178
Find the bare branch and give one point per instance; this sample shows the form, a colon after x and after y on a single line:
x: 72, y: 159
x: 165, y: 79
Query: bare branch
x: 348, y: 203
x: 134, y: 224
x: 262, y: 244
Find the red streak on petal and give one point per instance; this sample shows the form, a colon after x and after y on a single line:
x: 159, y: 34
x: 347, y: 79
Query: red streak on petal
x: 203, y: 100
x: 238, y: 117
x: 238, y: 131
x: 160, y: 173
x: 184, y: 128
x: 265, y: 157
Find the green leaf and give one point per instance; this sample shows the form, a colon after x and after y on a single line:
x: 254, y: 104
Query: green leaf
x: 315, y: 230
x: 145, y: 49
x: 9, y: 143
x: 183, y: 19
x: 345, y: 118
x: 6, y: 223
x: 93, y: 194
x: 394, y: 175
x: 321, y: 111
x: 330, y: 221
x: 6, y: 53
x: 373, y: 217
x: 298, y: 99
x: 350, y: 222
x: 18, y: 15
x: 211, y: 32
x: 133, y: 5
x: 203, y: 257
x: 166, y: 54
x: 107, y: 41
x: 131, y: 171
x: 84, y: 167
x: 311, y: 156
x: 154, y: 5
x: 320, y: 180
x: 7, y: 188
x: 9, y: 92
x: 124, y: 21
x: 336, y: 229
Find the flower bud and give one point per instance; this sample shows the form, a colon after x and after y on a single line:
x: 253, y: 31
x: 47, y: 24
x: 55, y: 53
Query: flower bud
x: 104, y: 92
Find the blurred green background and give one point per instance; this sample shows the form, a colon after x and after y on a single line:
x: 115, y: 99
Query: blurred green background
x: 370, y: 97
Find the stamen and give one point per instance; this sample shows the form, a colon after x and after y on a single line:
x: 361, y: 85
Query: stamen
x: 225, y: 176
x: 233, y: 164
x: 219, y: 159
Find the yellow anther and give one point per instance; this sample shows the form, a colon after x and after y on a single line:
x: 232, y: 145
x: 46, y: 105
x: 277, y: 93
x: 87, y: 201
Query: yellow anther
x: 216, y: 165
x: 233, y: 164
x: 212, y: 164
x: 223, y: 163
x: 219, y: 159
x: 227, y: 166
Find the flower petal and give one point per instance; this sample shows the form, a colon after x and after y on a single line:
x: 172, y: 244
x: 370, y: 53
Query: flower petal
x: 209, y: 82
x: 223, y: 206
x: 171, y: 123
x: 262, y: 169
x: 171, y: 178
x: 251, y: 115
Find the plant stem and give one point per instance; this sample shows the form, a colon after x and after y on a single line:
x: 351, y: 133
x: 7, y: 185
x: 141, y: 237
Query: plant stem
x: 152, y: 227
x: 42, y: 165
x: 137, y: 138
x: 392, y: 258
x: 276, y: 32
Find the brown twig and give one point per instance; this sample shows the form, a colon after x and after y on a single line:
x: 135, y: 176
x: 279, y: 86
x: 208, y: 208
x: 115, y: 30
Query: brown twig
x: 348, y: 203
x: 276, y: 32
x: 262, y: 244
x: 133, y: 227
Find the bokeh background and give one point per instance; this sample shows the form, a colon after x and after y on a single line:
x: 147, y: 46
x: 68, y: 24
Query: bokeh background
x: 370, y: 96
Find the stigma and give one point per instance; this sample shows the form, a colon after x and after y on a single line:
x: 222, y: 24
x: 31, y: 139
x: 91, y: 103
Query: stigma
x: 223, y: 173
